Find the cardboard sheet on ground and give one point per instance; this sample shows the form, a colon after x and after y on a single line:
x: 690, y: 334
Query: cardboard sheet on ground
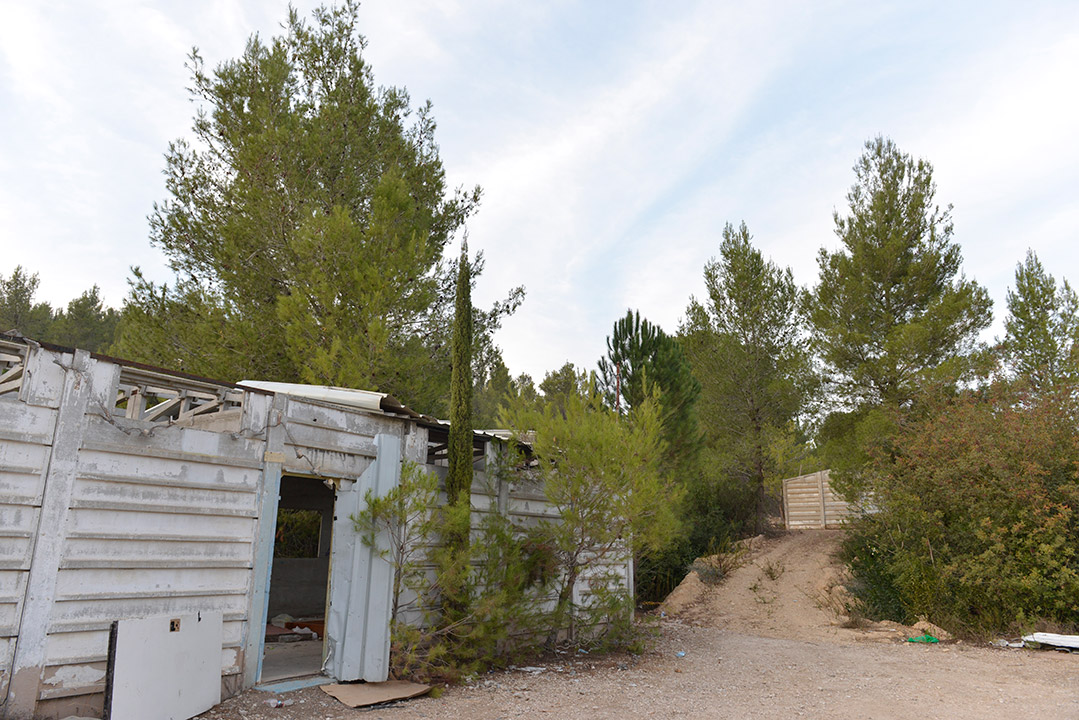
x: 362, y: 694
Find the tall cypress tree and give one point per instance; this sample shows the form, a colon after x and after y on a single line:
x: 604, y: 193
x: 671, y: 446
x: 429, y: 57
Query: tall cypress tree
x: 459, y: 478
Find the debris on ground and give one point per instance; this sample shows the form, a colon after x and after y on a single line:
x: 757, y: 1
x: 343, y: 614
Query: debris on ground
x: 1060, y: 642
x: 924, y: 638
x: 1003, y: 643
x: 928, y: 628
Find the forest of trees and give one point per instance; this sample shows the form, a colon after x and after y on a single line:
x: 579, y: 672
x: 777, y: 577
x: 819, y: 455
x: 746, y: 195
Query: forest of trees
x: 85, y: 322
x: 765, y: 380
x: 307, y: 221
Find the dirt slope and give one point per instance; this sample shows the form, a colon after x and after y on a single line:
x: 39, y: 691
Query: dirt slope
x: 784, y: 588
x: 787, y: 587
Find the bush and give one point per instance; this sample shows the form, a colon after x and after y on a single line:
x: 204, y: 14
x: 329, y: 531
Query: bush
x: 716, y: 510
x: 517, y: 588
x: 453, y: 614
x: 297, y: 533
x: 604, y: 474
x: 977, y: 528
x: 873, y: 584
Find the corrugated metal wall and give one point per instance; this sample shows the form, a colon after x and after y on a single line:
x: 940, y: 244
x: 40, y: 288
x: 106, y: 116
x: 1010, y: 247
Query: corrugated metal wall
x: 107, y: 517
x: 809, y: 502
x: 157, y: 525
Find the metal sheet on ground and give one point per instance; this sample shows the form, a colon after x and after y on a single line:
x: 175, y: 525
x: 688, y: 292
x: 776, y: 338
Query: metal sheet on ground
x: 363, y: 694
x: 165, y: 668
x: 1055, y: 640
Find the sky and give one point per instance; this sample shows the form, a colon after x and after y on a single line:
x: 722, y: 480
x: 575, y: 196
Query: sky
x: 612, y: 141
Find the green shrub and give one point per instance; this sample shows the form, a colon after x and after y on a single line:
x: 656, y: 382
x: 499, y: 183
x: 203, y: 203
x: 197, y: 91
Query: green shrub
x: 605, y: 476
x: 873, y: 584
x: 297, y: 533
x: 977, y: 528
x: 453, y: 614
x: 716, y: 509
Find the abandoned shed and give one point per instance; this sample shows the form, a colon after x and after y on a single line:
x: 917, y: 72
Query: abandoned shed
x: 135, y: 495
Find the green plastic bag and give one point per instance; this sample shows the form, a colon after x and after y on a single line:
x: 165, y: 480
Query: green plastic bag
x: 927, y: 638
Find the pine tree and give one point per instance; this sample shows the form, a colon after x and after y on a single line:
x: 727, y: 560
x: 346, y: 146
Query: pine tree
x: 563, y: 382
x: 606, y: 476
x: 18, y: 309
x: 891, y: 309
x: 85, y: 324
x: 747, y: 347
x: 492, y: 395
x: 1041, y: 341
x: 306, y: 223
x: 640, y: 359
x: 892, y: 314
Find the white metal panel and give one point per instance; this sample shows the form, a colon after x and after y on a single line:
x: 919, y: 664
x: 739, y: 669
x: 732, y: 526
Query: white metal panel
x: 26, y: 423
x: 332, y: 441
x: 21, y: 467
x: 43, y: 378
x: 274, y: 409
x: 181, y: 526
x: 361, y: 582
x: 363, y: 399
x: 79, y: 377
x: 26, y: 434
x: 166, y: 668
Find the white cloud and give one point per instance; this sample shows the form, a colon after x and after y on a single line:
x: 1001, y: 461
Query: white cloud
x: 577, y: 194
x: 612, y: 144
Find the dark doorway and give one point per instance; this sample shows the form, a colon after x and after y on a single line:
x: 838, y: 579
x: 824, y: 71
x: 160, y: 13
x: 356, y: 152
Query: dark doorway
x: 295, y: 633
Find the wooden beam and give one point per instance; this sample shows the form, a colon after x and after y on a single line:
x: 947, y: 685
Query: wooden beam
x: 201, y: 409
x: 162, y: 408
x: 136, y: 403
x: 12, y: 379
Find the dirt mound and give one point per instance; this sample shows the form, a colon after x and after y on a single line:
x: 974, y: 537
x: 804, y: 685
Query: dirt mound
x: 688, y: 593
x: 785, y: 587
x: 693, y: 589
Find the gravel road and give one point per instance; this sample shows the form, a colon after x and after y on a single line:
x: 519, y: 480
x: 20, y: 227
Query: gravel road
x: 765, y: 643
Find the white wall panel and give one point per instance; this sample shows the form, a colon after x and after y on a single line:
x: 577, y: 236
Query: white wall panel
x: 26, y: 433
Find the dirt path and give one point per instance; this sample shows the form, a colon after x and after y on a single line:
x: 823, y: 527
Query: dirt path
x: 764, y: 643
